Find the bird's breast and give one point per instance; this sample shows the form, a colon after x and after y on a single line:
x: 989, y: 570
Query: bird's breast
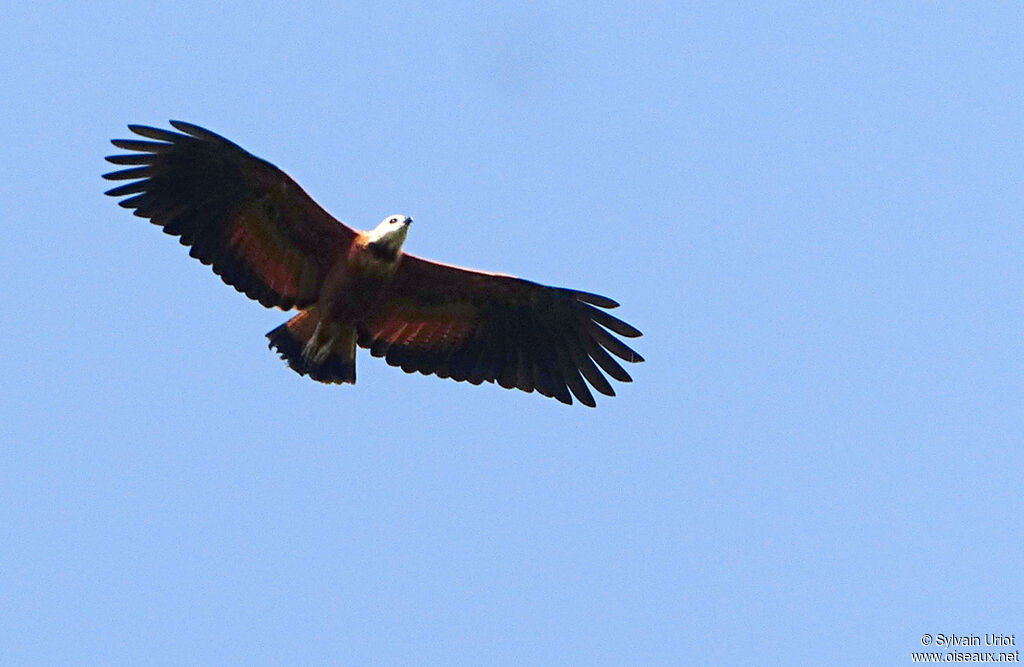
x: 355, y: 286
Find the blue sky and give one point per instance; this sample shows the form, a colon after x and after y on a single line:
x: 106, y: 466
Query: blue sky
x: 813, y: 212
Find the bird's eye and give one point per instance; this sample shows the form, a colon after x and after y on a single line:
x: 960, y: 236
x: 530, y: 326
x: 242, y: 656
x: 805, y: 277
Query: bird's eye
x: 393, y: 220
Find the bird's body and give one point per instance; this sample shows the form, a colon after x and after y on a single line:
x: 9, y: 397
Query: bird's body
x: 266, y: 237
x: 354, y: 288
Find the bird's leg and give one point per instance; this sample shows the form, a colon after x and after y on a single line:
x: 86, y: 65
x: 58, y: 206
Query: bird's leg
x: 319, y: 345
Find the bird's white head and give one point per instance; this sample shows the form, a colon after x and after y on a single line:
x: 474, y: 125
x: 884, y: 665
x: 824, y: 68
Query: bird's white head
x: 390, y: 233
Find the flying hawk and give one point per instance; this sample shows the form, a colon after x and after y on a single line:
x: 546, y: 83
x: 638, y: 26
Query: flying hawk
x: 267, y: 238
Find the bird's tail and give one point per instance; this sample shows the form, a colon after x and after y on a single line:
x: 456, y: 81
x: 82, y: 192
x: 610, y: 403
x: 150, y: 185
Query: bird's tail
x: 325, y: 351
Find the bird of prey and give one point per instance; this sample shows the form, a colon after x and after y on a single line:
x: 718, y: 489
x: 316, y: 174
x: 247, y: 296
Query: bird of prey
x: 264, y: 236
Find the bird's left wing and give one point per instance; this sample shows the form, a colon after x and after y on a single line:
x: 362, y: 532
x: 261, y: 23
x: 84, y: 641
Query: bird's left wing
x: 475, y: 326
x: 258, y: 229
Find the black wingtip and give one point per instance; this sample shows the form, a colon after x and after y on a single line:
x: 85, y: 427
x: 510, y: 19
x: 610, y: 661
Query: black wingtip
x: 131, y: 159
x: 154, y: 133
x: 595, y: 299
x: 198, y: 132
x: 141, y: 146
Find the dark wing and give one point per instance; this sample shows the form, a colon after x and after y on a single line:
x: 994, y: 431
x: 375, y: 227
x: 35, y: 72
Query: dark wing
x: 475, y: 326
x: 258, y: 229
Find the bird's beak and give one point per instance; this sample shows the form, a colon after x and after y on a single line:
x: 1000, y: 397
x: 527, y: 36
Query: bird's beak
x: 408, y: 220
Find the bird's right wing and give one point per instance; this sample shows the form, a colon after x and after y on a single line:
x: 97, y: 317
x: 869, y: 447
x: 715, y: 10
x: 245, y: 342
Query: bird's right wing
x: 248, y: 219
x: 476, y: 326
